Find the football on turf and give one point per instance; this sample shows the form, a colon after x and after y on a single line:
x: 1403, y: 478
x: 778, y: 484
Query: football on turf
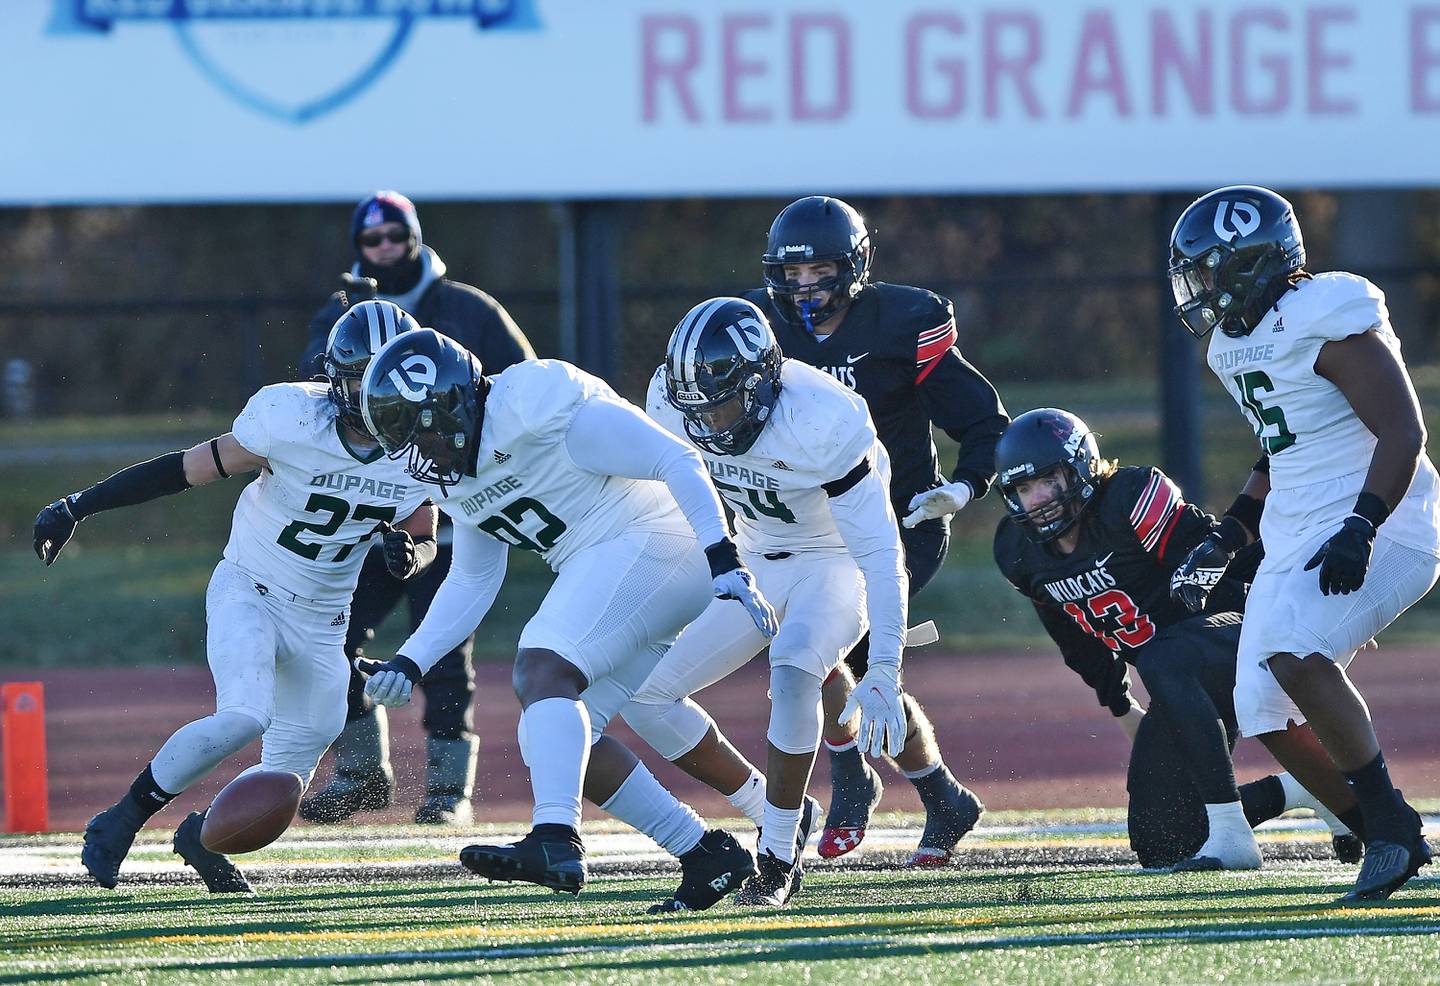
x: 252, y: 812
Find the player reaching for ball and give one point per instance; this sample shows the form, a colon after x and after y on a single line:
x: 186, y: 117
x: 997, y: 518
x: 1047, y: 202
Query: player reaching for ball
x: 278, y: 602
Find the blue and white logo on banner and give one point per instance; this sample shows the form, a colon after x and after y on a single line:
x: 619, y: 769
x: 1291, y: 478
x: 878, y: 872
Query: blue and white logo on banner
x: 218, y: 36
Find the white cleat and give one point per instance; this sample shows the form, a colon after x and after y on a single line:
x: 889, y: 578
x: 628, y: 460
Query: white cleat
x: 1226, y: 849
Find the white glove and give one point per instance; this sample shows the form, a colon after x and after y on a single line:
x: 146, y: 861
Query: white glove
x: 391, y: 682
x: 739, y: 584
x: 1130, y: 721
x: 882, y: 714
x: 942, y: 501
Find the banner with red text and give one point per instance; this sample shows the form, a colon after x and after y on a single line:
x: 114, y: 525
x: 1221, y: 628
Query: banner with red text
x: 280, y: 100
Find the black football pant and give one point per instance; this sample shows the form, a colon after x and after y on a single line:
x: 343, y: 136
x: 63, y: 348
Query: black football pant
x: 450, y: 684
x: 925, y: 548
x: 1180, y: 760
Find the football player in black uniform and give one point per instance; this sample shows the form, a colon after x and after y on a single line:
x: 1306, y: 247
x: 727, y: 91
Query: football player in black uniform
x: 1095, y: 549
x: 895, y: 346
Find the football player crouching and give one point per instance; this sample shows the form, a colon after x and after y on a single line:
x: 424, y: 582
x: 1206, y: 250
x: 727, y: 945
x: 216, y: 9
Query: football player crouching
x: 1096, y: 549
x: 278, y: 603
x: 547, y: 458
x: 795, y: 455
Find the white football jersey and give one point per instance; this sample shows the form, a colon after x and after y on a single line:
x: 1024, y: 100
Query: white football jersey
x: 528, y: 492
x: 818, y: 431
x: 305, y: 523
x: 1303, y: 421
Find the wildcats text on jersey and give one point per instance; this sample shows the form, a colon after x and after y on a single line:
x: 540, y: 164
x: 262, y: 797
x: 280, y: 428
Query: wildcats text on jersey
x: 1082, y: 586
x: 344, y: 483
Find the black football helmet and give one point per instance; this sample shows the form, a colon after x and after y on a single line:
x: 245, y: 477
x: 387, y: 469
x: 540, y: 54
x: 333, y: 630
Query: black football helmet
x: 722, y: 372
x: 354, y: 338
x: 1231, y: 256
x: 810, y: 230
x: 1036, y: 442
x: 424, y: 394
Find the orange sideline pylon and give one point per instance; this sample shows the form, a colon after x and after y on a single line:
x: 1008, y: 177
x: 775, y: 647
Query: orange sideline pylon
x: 22, y: 729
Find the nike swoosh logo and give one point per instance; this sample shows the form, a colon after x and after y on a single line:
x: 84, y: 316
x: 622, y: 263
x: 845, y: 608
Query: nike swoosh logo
x: 1102, y: 561
x: 856, y: 359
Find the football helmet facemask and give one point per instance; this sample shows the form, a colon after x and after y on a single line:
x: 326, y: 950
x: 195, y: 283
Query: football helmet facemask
x: 355, y: 337
x: 810, y: 230
x: 1034, y: 444
x: 722, y: 372
x: 424, y: 394
x: 1231, y: 256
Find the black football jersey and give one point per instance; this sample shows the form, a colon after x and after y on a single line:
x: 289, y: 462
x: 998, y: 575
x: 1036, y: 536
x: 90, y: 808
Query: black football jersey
x: 896, y: 348
x: 1108, y: 598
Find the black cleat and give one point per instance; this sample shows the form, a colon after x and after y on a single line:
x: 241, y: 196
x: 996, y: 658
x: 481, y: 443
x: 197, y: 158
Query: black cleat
x: 550, y: 855
x: 852, y: 799
x: 946, y: 823
x: 1388, y: 866
x: 347, y: 794
x: 1348, y: 847
x: 220, y: 875
x: 108, y: 838
x: 716, y: 867
x: 773, y: 884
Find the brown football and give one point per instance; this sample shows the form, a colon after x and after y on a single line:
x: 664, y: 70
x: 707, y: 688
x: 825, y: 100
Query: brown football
x: 252, y: 812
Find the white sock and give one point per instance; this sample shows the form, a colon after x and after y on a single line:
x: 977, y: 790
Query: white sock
x: 1297, y: 796
x: 555, y: 743
x: 750, y: 799
x: 1226, y: 818
x: 197, y: 748
x: 643, y: 803
x: 782, y: 828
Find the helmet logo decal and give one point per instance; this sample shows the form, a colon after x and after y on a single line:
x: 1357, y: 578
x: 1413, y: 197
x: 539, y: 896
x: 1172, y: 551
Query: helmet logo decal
x: 1243, y: 219
x: 748, y: 335
x: 1073, y: 443
x: 418, y: 369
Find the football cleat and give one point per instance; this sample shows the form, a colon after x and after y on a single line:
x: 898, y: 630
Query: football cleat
x: 108, y: 838
x: 716, y: 867
x: 1388, y: 866
x: 774, y: 883
x: 550, y: 855
x: 852, y: 799
x: 220, y: 875
x: 347, y: 794
x: 946, y: 824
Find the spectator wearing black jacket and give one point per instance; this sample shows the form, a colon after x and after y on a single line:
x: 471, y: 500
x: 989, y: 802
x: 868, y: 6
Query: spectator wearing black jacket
x: 390, y: 253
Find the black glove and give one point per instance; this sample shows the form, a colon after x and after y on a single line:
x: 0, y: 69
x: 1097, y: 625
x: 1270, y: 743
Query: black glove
x: 1200, y: 572
x: 1344, y: 559
x: 354, y: 290
x: 399, y: 549
x: 54, y: 527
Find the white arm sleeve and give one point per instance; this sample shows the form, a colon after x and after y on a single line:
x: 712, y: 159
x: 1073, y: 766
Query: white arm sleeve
x: 463, y: 599
x: 867, y: 523
x: 615, y: 439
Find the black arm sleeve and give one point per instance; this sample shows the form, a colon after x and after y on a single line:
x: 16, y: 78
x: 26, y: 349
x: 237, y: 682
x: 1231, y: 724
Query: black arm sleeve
x: 143, y: 481
x: 1099, y: 667
x: 964, y: 405
x: 313, y: 357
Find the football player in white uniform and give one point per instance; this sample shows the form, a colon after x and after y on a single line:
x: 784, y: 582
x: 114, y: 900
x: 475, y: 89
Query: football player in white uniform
x: 278, y: 602
x: 795, y: 455
x: 546, y: 457
x: 1345, y: 499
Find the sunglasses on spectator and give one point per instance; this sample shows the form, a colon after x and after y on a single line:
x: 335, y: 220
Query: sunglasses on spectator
x: 374, y: 238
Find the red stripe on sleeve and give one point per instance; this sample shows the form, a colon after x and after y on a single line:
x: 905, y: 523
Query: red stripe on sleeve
x: 932, y: 343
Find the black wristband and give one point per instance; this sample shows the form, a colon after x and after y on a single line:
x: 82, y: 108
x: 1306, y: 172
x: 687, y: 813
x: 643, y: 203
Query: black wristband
x: 1372, y: 508
x: 215, y: 453
x: 1231, y: 534
x: 1247, y: 510
x: 408, y: 668
x: 160, y: 476
x: 1262, y: 464
x: 723, y: 557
